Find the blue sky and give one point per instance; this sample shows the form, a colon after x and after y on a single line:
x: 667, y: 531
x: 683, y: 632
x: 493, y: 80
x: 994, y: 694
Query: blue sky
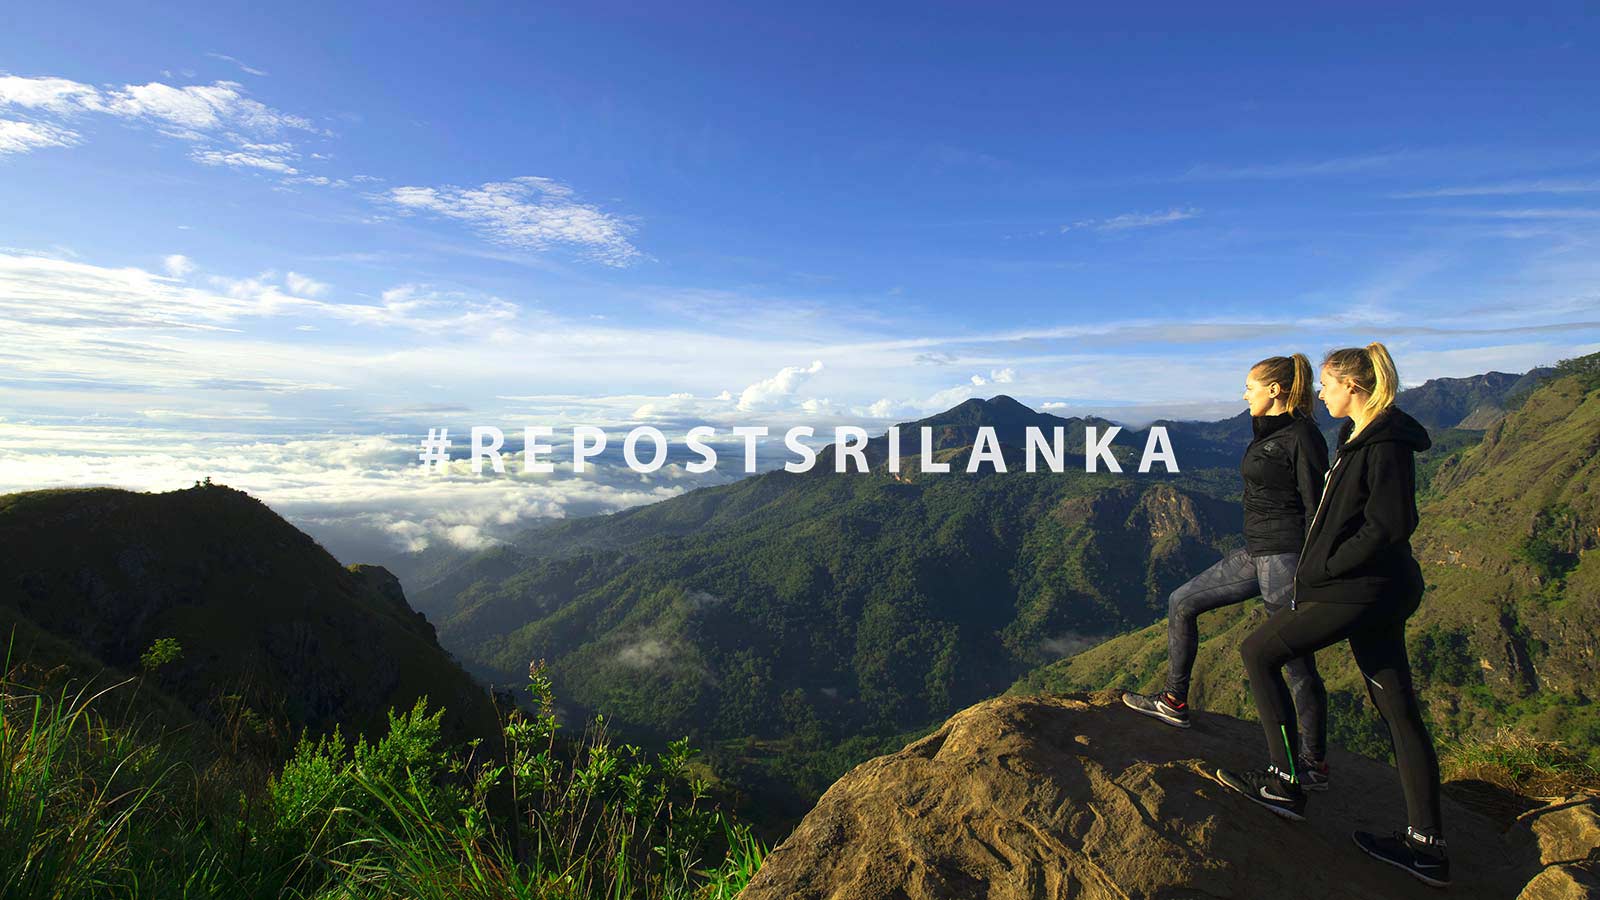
x: 273, y: 244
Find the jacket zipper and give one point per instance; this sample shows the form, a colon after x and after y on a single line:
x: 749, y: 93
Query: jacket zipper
x: 1327, y: 480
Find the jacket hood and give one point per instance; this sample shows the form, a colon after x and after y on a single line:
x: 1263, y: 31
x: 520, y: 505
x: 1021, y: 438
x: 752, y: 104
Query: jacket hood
x: 1393, y: 424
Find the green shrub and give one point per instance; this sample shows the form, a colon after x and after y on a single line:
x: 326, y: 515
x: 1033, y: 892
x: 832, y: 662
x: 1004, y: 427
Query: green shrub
x: 95, y: 805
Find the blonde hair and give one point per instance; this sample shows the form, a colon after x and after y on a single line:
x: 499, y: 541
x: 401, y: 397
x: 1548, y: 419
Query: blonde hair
x: 1293, y: 374
x: 1369, y: 368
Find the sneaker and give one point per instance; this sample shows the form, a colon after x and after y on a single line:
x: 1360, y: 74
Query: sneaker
x: 1268, y: 788
x: 1422, y: 856
x: 1163, y: 706
x: 1313, y: 775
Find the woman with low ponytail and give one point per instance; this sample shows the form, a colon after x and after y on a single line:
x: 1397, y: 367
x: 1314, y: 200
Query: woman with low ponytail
x: 1356, y: 581
x: 1283, y: 469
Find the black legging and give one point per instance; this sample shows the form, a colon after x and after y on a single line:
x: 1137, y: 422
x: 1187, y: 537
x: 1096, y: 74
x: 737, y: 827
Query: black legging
x: 1376, y: 632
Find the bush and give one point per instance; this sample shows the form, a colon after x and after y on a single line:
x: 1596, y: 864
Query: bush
x: 93, y: 805
x: 1585, y: 368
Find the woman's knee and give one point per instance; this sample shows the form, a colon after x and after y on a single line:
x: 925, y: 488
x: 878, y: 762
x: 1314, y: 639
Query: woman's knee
x: 1178, y: 604
x: 1263, y: 650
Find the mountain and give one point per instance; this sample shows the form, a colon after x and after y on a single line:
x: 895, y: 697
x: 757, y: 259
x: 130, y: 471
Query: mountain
x: 796, y: 623
x: 1507, y: 633
x: 793, y: 614
x: 263, y: 615
x: 1072, y: 796
x: 1474, y: 403
x: 954, y: 433
x: 1468, y: 404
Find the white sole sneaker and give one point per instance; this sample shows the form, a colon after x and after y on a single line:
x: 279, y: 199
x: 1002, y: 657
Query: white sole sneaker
x: 1154, y: 711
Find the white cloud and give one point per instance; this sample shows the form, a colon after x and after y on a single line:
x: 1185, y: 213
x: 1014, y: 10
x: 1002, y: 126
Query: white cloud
x: 979, y: 380
x: 23, y: 137
x: 201, y: 108
x: 1130, y: 220
x: 242, y: 160
x: 768, y: 391
x: 178, y: 265
x: 1533, y: 213
x: 1508, y: 188
x: 304, y: 286
x: 362, y: 496
x: 56, y: 95
x: 528, y: 212
x: 1002, y: 376
x: 216, y: 113
x: 1339, y: 165
x: 42, y: 291
x: 242, y: 67
x: 197, y: 107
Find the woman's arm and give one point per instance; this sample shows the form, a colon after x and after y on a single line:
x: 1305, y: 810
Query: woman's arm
x: 1390, y: 512
x: 1310, y: 469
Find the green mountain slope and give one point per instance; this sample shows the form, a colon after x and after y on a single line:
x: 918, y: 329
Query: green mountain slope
x: 858, y: 601
x: 263, y: 614
x: 1507, y: 633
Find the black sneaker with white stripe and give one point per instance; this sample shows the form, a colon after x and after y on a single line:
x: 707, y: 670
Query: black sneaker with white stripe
x: 1268, y: 788
x: 1313, y: 774
x: 1421, y: 855
x: 1163, y: 706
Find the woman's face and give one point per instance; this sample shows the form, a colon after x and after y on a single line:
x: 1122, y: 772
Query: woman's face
x: 1340, y: 396
x: 1260, y: 396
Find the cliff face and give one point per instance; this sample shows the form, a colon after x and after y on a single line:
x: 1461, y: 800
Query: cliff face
x: 1077, y: 797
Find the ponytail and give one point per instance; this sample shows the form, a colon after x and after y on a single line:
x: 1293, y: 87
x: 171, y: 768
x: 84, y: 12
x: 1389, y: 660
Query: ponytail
x: 1293, y: 375
x: 1385, y: 381
x: 1369, y: 368
x: 1300, y: 388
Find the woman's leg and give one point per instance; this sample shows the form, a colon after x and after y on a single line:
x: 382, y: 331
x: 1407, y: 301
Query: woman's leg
x: 1231, y: 579
x: 1286, y: 635
x: 1380, y: 652
x: 1310, y: 697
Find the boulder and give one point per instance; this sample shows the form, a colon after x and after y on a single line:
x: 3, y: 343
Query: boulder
x: 1076, y: 796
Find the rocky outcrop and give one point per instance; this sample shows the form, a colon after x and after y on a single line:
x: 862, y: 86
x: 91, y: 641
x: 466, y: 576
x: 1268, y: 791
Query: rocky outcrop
x: 1567, y: 835
x: 1077, y: 797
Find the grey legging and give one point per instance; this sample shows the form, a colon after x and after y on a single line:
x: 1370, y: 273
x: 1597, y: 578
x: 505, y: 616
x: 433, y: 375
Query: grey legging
x: 1234, y: 579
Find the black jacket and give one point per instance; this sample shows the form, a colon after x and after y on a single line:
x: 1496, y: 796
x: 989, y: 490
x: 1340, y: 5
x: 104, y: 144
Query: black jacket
x: 1359, y: 546
x: 1283, y: 470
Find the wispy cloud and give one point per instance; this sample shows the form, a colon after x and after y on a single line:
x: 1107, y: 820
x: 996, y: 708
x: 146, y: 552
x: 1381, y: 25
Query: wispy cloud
x: 304, y: 285
x: 1310, y: 168
x: 1523, y: 213
x: 24, y: 137
x: 251, y: 70
x: 43, y: 291
x: 230, y: 128
x: 529, y: 213
x: 241, y: 159
x: 1131, y: 220
x: 1507, y: 188
x: 178, y: 265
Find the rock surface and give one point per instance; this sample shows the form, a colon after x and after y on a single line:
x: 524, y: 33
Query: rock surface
x: 1567, y: 835
x: 1076, y: 796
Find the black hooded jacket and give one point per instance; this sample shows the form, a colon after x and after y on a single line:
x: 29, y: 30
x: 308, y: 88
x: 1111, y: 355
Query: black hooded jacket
x: 1358, y: 549
x: 1283, y: 470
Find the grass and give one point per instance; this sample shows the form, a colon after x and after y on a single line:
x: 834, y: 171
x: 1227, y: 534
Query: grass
x: 1521, y: 765
x: 96, y: 802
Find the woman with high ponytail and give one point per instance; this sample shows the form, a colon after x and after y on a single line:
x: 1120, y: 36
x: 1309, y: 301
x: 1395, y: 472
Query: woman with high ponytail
x: 1283, y: 468
x: 1371, y: 370
x: 1356, y: 581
